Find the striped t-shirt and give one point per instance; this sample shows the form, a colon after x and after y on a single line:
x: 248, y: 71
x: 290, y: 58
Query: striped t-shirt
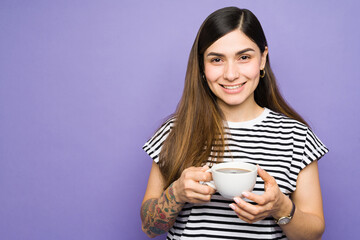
x: 280, y: 145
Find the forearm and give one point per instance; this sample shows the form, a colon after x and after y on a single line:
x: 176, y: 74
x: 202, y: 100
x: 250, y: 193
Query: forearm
x: 159, y: 214
x: 304, y: 226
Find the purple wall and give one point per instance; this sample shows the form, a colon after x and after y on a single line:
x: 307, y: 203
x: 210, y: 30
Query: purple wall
x: 83, y: 84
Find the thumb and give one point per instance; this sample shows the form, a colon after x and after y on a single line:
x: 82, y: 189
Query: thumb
x: 268, y: 179
x: 204, y: 168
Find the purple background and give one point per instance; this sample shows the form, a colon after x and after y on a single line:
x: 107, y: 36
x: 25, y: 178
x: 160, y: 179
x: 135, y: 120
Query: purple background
x: 83, y: 84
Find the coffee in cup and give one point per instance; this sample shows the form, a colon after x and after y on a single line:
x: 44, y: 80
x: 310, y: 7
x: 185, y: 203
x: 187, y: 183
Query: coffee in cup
x: 231, y: 179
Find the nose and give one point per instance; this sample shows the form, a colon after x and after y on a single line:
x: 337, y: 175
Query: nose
x: 231, y: 72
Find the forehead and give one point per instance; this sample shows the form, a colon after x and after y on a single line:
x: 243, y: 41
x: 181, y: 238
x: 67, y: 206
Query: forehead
x: 231, y: 43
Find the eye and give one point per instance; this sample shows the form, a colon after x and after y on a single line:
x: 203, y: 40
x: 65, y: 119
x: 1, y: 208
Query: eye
x: 244, y: 58
x: 216, y: 60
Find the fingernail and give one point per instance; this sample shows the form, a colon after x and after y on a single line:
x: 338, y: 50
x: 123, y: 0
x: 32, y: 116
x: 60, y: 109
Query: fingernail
x: 237, y: 200
x: 232, y: 206
x: 204, y: 168
x: 245, y: 194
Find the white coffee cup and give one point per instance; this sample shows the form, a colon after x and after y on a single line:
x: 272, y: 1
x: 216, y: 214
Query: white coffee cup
x: 230, y: 181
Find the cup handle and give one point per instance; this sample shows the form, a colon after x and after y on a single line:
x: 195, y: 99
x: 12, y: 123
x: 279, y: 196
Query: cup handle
x: 210, y: 183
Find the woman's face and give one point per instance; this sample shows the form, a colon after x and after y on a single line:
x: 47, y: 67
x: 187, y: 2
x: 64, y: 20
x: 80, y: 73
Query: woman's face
x: 232, y: 69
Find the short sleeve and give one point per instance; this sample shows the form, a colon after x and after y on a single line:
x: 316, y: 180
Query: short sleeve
x: 314, y: 149
x: 153, y: 146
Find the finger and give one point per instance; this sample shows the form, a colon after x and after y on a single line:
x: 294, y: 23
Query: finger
x: 195, y: 169
x: 202, y: 177
x: 251, y: 215
x: 204, y: 168
x: 259, y: 199
x: 205, y: 190
x: 192, y: 186
x: 242, y: 214
x: 202, y: 189
x: 197, y: 175
x: 207, y: 174
x: 264, y: 175
x: 248, y: 207
x: 211, y: 190
x: 195, y: 197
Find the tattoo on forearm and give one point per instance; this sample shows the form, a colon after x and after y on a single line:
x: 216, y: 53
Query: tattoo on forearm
x: 158, y: 215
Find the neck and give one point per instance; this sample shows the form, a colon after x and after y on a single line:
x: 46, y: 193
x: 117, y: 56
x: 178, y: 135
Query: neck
x: 241, y: 113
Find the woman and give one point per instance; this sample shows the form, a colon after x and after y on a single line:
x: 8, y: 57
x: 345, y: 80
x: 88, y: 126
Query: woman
x: 231, y: 110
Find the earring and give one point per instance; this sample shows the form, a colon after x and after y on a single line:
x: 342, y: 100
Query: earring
x: 203, y: 76
x: 262, y: 73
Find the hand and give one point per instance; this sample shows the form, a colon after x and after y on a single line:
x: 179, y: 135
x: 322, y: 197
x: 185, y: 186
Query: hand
x: 188, y: 189
x: 272, y: 203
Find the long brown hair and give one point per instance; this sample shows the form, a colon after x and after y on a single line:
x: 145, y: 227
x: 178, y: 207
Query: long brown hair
x: 198, y: 132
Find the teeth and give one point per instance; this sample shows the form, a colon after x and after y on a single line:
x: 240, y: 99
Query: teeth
x: 233, y: 87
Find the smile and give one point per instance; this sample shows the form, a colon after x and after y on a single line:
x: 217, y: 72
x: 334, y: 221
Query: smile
x: 233, y: 87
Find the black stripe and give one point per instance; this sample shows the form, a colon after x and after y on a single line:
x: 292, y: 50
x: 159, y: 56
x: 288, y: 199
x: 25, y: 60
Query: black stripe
x: 280, y: 186
x: 261, y: 136
x: 259, y: 153
x: 233, y: 216
x: 282, y: 125
x: 259, y: 160
x: 268, y: 131
x: 290, y: 144
x: 234, y: 223
x: 223, y: 237
x: 234, y: 230
x: 260, y: 147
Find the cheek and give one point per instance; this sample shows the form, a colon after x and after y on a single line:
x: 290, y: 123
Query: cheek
x: 251, y: 71
x: 212, y: 73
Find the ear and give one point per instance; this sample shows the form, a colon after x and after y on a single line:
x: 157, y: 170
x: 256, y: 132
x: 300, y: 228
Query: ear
x: 263, y: 58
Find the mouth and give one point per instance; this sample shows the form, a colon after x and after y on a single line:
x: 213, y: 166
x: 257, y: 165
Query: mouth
x: 233, y: 86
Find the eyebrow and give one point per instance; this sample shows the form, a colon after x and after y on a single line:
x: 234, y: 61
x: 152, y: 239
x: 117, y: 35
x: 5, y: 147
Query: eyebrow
x: 238, y: 53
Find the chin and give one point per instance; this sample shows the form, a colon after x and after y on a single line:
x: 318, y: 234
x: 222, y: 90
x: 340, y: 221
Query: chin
x: 233, y: 104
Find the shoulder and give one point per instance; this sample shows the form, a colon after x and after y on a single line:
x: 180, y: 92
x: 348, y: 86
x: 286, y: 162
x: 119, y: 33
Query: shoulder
x: 167, y: 125
x: 279, y: 120
x: 303, y: 134
x: 162, y: 132
x: 154, y: 145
